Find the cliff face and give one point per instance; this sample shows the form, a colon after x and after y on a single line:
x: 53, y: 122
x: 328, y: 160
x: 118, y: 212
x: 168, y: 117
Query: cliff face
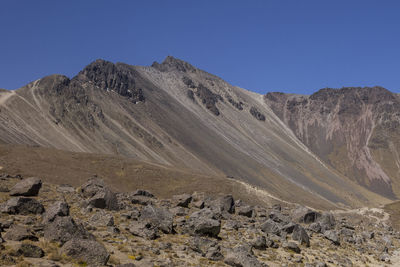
x: 174, y: 114
x: 354, y: 130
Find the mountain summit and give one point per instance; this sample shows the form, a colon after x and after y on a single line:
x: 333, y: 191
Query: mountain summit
x: 334, y: 148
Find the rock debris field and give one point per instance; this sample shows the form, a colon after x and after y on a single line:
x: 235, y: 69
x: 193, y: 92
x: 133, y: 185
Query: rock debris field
x: 58, y: 225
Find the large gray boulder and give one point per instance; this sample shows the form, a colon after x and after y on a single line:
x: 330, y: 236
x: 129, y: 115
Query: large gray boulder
x: 144, y: 229
x: 22, y: 205
x: 327, y: 221
x: 27, y: 187
x: 159, y: 217
x: 223, y: 204
x: 99, y: 195
x: 332, y: 236
x: 63, y: 229
x: 305, y: 215
x: 89, y: 251
x: 59, y: 208
x: 19, y: 233
x: 102, y: 218
x: 29, y: 250
x: 242, y: 256
x: 206, y: 247
x: 300, y: 234
x: 203, y: 222
x: 182, y: 200
x: 271, y: 227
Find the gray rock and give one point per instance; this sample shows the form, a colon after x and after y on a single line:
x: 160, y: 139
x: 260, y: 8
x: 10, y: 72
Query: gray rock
x: 144, y: 229
x: 327, y: 221
x: 315, y: 227
x: 278, y: 217
x: 292, y: 246
x: 206, y: 247
x: 346, y: 232
x: 224, y: 204
x: 22, y: 205
x: 288, y: 228
x: 59, y: 208
x: 102, y: 218
x: 332, y: 236
x: 245, y: 210
x: 305, y: 215
x: 269, y: 226
x: 90, y: 251
x: 203, y: 222
x: 30, y: 251
x: 19, y: 233
x: 141, y: 200
x: 259, y: 242
x: 159, y: 217
x: 368, y: 235
x: 182, y: 200
x: 27, y: 187
x: 143, y: 193
x: 63, y: 229
x: 300, y: 234
x: 99, y: 195
x: 242, y: 256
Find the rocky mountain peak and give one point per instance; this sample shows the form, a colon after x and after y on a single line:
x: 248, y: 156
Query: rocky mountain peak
x: 173, y: 64
x: 112, y: 77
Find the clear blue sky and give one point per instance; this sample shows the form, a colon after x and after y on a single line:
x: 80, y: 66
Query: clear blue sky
x: 290, y: 46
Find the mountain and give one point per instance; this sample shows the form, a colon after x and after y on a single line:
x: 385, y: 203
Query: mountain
x: 354, y: 130
x: 178, y: 116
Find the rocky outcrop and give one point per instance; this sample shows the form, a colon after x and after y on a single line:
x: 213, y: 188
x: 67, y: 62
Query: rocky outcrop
x: 27, y: 187
x: 350, y: 129
x: 119, y: 78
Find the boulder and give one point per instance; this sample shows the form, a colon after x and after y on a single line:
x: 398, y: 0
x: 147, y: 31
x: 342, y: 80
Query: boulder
x: 203, y: 222
x: 332, y: 236
x: 143, y: 193
x: 59, y: 208
x: 278, y: 217
x: 102, y: 218
x: 30, y: 251
x: 19, y: 233
x: 259, y: 242
x: 242, y: 256
x: 327, y: 221
x: 315, y: 227
x: 245, y: 210
x: 206, y: 247
x: 271, y: 227
x: 99, y: 195
x: 305, y: 215
x: 22, y: 205
x: 292, y: 246
x: 224, y: 204
x: 90, y: 252
x: 288, y: 228
x: 144, y: 230
x: 300, y: 234
x: 159, y: 217
x: 27, y: 187
x: 182, y: 200
x: 63, y: 229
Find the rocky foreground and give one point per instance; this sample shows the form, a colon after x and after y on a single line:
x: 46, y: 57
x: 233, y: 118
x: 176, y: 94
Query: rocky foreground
x: 58, y: 225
